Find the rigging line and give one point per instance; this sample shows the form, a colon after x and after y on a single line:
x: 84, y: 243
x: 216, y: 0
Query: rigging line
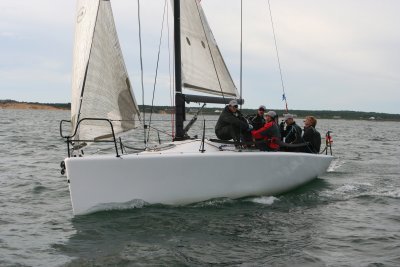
x: 158, y: 61
x: 158, y: 130
x: 277, y: 55
x: 141, y: 73
x: 241, y: 51
x: 241, y: 55
x: 209, y: 49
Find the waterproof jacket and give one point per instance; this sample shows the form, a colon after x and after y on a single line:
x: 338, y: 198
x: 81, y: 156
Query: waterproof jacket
x: 269, y: 132
x: 292, y: 134
x: 312, y: 136
x: 256, y: 120
x: 228, y: 123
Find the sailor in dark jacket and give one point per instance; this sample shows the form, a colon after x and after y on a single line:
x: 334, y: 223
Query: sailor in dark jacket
x: 292, y: 133
x: 311, y: 135
x: 231, y: 124
x: 257, y: 120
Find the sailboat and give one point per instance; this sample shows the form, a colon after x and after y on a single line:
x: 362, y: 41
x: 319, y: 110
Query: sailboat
x: 188, y: 170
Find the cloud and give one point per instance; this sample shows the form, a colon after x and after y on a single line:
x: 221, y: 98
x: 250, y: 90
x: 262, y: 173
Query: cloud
x: 334, y: 55
x: 329, y: 53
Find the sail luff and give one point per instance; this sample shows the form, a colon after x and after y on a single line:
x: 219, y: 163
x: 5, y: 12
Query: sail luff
x: 84, y: 30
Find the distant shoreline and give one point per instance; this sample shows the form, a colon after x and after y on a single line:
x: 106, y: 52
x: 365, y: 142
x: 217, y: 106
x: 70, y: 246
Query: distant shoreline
x: 31, y: 106
x: 320, y: 114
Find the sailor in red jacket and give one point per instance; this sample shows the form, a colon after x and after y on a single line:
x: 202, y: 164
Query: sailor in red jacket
x: 270, y: 133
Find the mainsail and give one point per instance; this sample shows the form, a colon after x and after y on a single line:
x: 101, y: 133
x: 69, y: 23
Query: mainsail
x: 203, y: 68
x: 100, y: 82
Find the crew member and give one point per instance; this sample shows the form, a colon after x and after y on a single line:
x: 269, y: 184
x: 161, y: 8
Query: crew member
x: 231, y: 124
x: 292, y: 133
x: 257, y: 120
x: 311, y: 135
x: 269, y: 134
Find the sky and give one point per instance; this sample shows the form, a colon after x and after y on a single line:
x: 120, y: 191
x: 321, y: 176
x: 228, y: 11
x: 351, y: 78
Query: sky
x: 334, y: 55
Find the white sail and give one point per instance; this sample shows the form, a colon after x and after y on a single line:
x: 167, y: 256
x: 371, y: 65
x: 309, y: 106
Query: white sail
x: 203, y: 68
x: 100, y: 82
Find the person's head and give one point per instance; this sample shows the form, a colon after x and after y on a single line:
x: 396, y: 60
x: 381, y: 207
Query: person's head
x: 261, y: 110
x: 289, y: 119
x: 270, y: 115
x: 233, y: 105
x: 310, y: 121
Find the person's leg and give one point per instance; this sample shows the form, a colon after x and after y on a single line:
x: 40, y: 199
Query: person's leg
x: 261, y: 144
x: 225, y: 133
x: 247, y: 139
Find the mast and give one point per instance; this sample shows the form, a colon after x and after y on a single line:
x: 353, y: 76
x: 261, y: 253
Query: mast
x: 179, y: 98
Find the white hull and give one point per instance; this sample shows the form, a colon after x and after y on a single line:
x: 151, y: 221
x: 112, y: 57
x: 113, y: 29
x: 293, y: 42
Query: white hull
x: 178, y: 177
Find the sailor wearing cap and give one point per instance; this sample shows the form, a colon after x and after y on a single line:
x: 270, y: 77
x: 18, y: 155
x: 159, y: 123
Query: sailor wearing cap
x: 269, y: 133
x: 257, y: 120
x: 292, y: 133
x: 231, y: 124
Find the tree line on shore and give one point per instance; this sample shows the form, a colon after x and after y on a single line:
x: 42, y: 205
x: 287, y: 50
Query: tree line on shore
x: 321, y: 114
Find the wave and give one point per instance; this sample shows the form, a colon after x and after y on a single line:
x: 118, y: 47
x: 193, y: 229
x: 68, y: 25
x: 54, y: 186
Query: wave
x: 386, y: 193
x: 132, y: 204
x: 335, y: 164
x: 215, y: 202
x: 264, y: 200
x: 361, y: 190
x: 355, y: 187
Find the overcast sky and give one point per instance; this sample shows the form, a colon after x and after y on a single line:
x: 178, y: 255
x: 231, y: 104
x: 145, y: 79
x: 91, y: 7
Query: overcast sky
x: 335, y: 55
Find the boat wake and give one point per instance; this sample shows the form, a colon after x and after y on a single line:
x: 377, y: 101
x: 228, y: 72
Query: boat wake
x: 215, y: 202
x: 264, y: 200
x: 395, y: 193
x: 361, y: 190
x: 335, y: 164
x: 132, y: 204
x: 353, y: 188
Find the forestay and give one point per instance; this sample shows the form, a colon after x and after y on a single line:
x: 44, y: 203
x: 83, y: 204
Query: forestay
x: 203, y: 68
x: 100, y: 82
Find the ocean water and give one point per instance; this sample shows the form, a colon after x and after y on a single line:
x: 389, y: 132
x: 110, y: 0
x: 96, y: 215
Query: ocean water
x: 348, y: 217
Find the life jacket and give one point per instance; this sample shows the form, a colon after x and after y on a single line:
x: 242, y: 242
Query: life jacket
x: 270, y: 133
